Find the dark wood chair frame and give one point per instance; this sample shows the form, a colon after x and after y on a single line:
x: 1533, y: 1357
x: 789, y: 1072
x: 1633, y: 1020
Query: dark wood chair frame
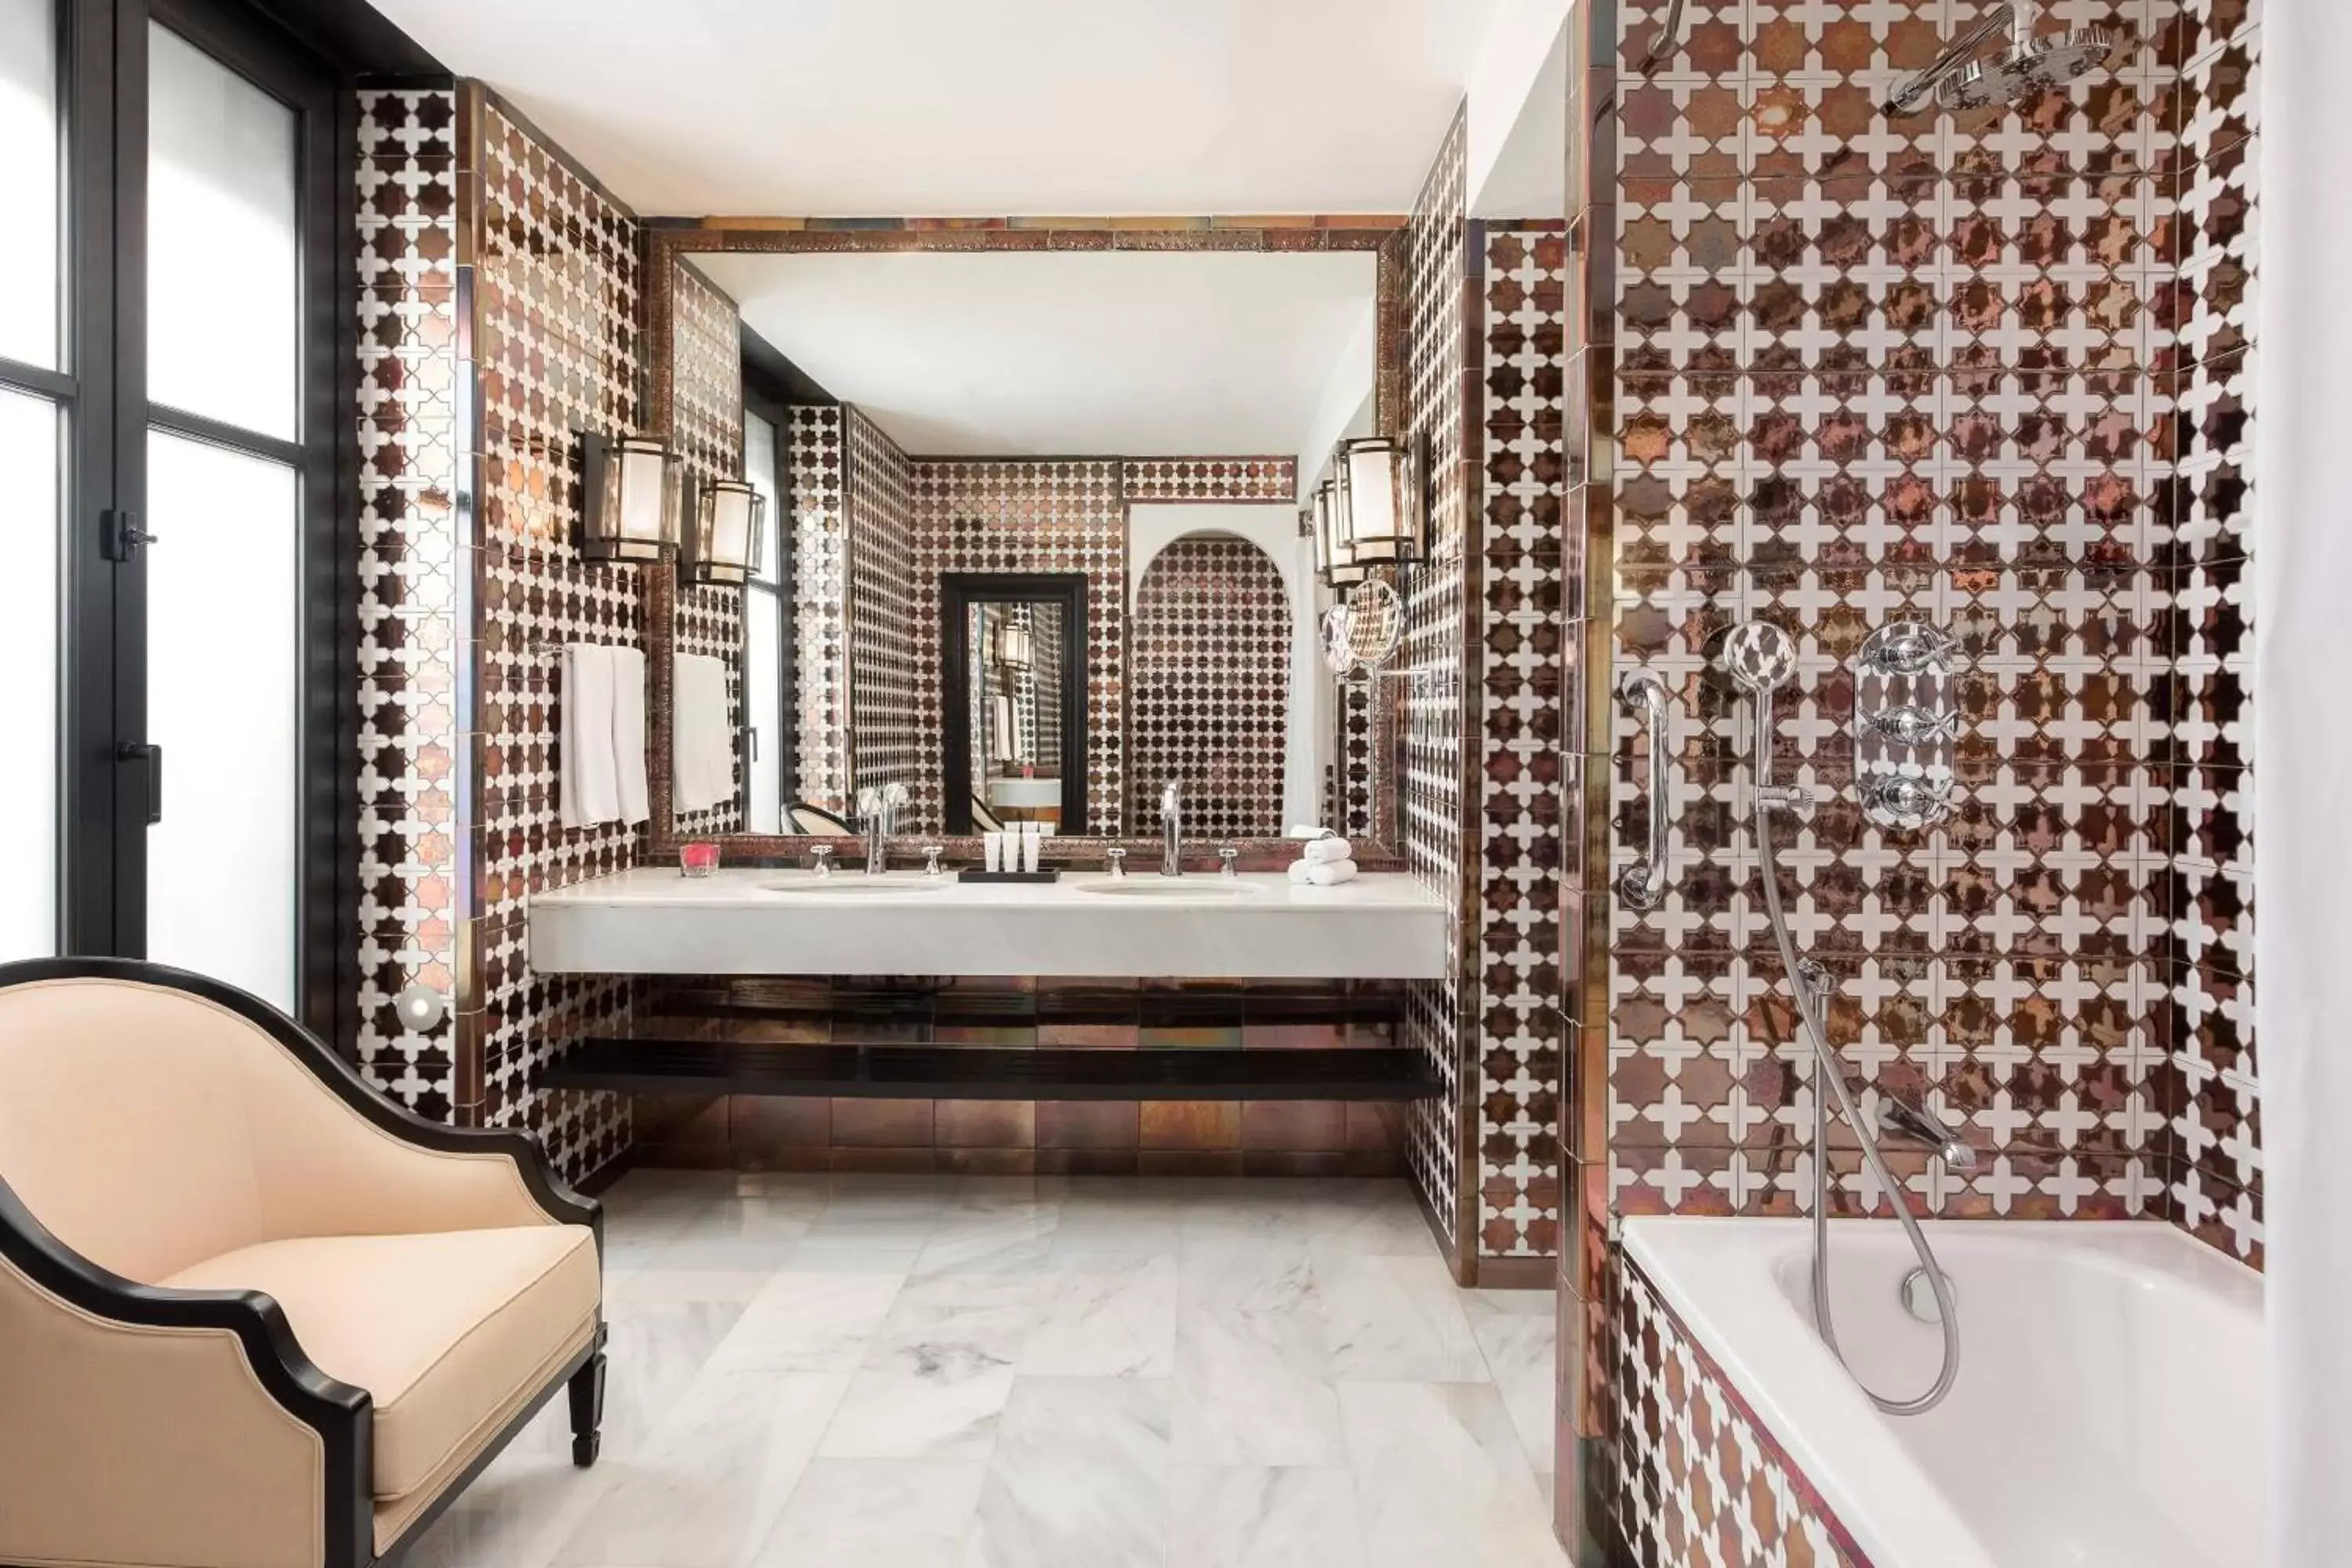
x: 342, y: 1415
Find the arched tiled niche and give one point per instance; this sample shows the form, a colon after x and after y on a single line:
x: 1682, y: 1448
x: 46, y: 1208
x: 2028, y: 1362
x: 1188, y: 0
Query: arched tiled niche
x: 1210, y: 655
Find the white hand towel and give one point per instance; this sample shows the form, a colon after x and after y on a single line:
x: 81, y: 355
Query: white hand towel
x: 1331, y: 873
x: 1299, y: 872
x: 1324, y: 851
x: 629, y: 734
x: 702, y: 753
x: 587, y: 779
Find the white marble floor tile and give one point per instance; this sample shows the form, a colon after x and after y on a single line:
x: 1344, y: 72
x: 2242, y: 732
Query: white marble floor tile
x: 876, y: 1513
x: 1105, y: 1315
x: 710, y: 1482
x: 810, y: 1321
x: 1442, y: 1477
x: 1079, y: 1479
x: 901, y: 1372
x: 1256, y: 1516
x: 1396, y: 1319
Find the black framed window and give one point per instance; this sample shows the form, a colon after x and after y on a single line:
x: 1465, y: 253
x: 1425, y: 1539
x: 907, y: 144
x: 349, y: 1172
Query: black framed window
x: 183, y: 534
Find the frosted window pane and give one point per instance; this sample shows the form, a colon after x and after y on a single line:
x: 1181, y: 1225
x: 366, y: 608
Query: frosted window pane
x: 223, y: 250
x: 222, y: 627
x: 28, y: 653
x: 28, y: 182
x: 763, y: 634
x: 760, y: 473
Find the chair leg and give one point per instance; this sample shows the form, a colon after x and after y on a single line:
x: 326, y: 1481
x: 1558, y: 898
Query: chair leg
x: 587, y: 1390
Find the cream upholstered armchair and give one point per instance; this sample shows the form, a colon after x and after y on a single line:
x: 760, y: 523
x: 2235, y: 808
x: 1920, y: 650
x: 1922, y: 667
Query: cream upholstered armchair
x: 252, y: 1313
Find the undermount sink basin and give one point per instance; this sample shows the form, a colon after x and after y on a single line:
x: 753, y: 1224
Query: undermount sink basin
x: 1208, y: 886
x: 856, y: 887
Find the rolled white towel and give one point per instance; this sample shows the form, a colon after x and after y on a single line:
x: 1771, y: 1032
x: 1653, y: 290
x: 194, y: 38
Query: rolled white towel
x: 1300, y: 872
x: 1331, y: 873
x: 1325, y: 851
x: 1307, y: 830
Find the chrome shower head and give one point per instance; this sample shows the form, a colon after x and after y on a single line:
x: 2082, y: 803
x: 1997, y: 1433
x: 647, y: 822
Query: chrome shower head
x: 1759, y: 656
x: 2033, y: 62
x: 2045, y: 64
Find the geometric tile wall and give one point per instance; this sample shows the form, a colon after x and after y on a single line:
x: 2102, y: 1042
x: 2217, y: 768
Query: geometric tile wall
x: 1865, y: 371
x: 1517, y: 713
x: 1440, y: 1019
x: 1210, y: 650
x: 815, y: 481
x: 1036, y: 515
x: 884, y: 677
x: 556, y: 291
x: 409, y: 559
x: 706, y: 429
x: 2215, y: 1171
x: 1704, y: 1483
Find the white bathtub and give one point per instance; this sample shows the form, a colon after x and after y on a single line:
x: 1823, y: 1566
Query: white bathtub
x: 2108, y: 1413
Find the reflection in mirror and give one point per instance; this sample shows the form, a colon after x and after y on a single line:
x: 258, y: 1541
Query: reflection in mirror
x: 1013, y: 656
x: 1045, y: 594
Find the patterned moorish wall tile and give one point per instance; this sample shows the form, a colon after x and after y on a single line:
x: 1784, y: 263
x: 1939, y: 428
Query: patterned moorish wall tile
x: 1867, y: 371
x: 1701, y: 1483
x: 1042, y: 515
x: 885, y: 681
x: 1210, y: 478
x: 556, y: 292
x: 1438, y: 593
x: 706, y: 429
x: 409, y: 597
x: 815, y: 477
x: 1520, y: 720
x: 2207, y: 1021
x: 1209, y: 650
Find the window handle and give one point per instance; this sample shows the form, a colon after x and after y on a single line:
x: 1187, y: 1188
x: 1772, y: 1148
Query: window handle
x: 153, y: 756
x: 120, y: 535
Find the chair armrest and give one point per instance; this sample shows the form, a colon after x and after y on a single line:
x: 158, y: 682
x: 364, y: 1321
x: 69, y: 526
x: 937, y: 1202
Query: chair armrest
x: 155, y: 1425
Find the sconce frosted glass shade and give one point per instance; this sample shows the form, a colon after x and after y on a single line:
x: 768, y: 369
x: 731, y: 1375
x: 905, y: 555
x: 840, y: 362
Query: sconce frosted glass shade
x: 1380, y: 483
x: 726, y: 538
x: 1013, y: 645
x: 1334, y: 558
x: 628, y: 511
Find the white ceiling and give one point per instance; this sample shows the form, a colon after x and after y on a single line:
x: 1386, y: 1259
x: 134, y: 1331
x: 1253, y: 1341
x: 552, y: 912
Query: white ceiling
x: 950, y: 108
x: 1039, y: 353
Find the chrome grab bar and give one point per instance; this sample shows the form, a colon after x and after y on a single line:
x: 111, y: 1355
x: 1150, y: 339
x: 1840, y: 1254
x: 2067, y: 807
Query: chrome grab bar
x: 1644, y: 883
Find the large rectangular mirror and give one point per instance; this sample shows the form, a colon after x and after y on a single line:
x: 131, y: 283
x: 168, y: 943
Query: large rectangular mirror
x: 1036, y: 549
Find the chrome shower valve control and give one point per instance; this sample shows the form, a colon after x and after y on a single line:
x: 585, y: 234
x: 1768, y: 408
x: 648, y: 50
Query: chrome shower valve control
x: 1913, y: 726
x: 1906, y: 724
x: 1786, y: 797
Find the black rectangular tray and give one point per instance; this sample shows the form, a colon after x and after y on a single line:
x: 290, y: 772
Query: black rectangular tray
x: 980, y: 874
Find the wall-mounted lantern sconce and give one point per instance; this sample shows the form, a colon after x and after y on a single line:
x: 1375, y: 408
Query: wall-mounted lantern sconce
x: 723, y: 545
x: 1333, y: 557
x: 627, y: 510
x: 1013, y: 649
x: 1382, y: 516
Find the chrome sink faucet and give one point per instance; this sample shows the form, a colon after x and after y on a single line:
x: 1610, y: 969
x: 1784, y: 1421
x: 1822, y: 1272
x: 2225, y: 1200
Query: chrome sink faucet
x: 878, y: 813
x: 1171, y: 831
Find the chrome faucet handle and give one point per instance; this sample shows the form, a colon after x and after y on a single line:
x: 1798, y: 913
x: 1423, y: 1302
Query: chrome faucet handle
x: 1118, y: 859
x: 1918, y: 1124
x: 931, y: 853
x: 820, y: 857
x: 1226, y: 855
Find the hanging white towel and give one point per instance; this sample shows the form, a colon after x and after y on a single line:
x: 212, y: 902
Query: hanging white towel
x: 587, y: 777
x: 1324, y: 851
x: 702, y: 751
x: 629, y: 734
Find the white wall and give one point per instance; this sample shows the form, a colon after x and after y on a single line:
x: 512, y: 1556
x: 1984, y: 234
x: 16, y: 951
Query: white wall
x: 2303, y: 765
x: 1152, y: 529
x: 1520, y: 73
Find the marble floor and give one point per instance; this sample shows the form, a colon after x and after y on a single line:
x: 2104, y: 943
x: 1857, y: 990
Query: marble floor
x: 1082, y: 1373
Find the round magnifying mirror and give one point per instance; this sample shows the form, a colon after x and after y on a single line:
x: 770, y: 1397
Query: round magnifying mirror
x: 1364, y: 630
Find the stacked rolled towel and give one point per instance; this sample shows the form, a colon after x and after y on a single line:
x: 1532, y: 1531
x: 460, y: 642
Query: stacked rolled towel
x: 1323, y: 862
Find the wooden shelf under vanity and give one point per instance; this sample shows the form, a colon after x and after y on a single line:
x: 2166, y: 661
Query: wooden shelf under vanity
x: 848, y: 1070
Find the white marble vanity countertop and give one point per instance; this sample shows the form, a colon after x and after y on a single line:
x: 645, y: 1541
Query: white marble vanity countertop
x: 749, y: 921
